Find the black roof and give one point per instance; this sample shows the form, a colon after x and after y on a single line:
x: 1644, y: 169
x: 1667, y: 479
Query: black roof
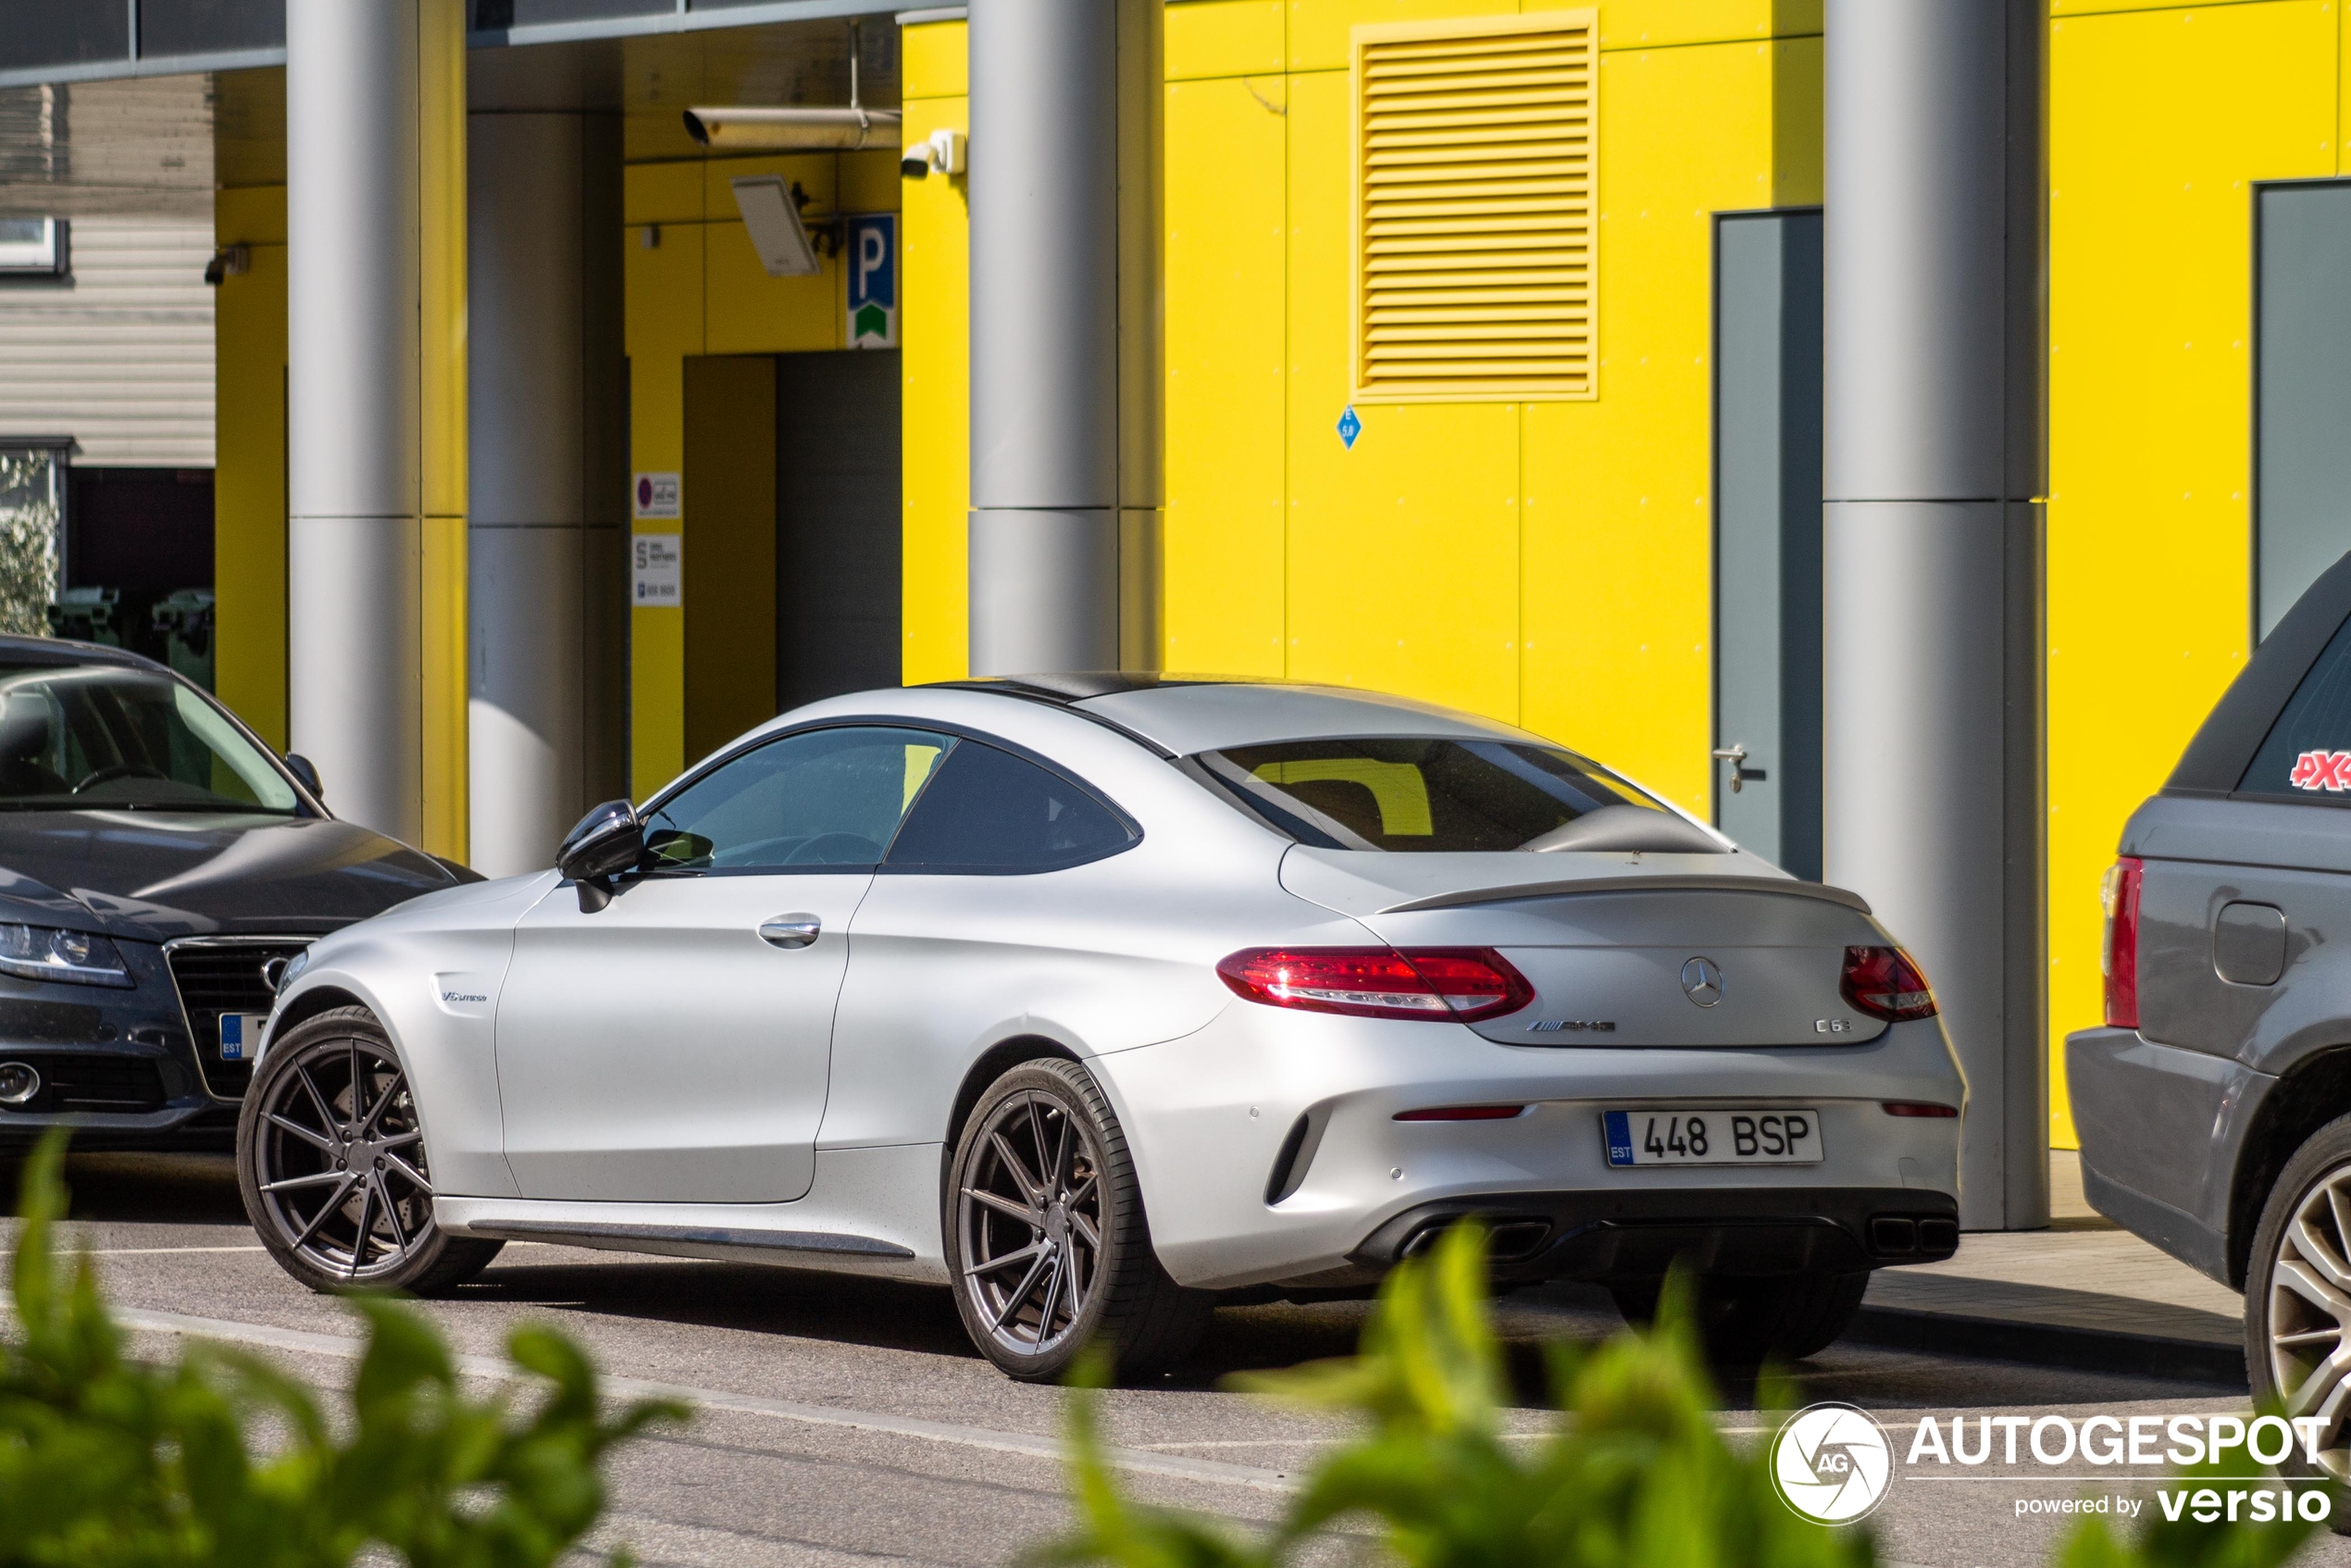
x: 1068, y: 687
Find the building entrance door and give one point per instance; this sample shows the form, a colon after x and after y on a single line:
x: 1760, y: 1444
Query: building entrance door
x: 1767, y: 534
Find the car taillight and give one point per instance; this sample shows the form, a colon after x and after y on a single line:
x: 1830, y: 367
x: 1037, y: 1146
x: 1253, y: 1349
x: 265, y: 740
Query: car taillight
x: 2118, y: 957
x: 1884, y: 983
x: 1380, y: 982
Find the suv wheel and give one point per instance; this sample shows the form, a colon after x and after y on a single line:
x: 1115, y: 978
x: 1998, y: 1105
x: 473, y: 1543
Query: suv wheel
x: 2297, y: 1295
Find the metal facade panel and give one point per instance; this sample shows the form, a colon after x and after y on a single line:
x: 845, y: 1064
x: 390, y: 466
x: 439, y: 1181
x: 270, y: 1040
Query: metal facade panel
x: 121, y: 357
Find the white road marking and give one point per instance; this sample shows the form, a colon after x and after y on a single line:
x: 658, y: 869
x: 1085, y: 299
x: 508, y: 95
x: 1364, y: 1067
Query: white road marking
x: 1176, y: 1466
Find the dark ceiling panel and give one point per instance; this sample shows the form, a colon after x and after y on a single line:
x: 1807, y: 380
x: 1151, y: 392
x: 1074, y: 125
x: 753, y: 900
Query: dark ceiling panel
x: 210, y: 27
x: 63, y: 32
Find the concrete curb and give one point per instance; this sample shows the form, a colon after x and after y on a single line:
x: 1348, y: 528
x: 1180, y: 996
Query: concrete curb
x: 2051, y: 1344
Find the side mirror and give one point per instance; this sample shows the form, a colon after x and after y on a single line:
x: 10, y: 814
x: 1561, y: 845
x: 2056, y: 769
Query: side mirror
x: 305, y: 773
x: 607, y: 841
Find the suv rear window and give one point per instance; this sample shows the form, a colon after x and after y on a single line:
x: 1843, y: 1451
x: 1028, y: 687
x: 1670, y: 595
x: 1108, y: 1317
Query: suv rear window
x: 1425, y: 795
x: 2308, y: 752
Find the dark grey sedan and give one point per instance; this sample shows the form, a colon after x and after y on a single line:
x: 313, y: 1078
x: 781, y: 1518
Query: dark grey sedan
x: 158, y: 866
x: 2215, y: 1105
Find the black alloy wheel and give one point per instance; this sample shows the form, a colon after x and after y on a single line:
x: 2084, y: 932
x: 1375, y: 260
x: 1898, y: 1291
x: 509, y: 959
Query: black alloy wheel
x: 2298, y: 1306
x: 1047, y: 1238
x: 331, y: 1160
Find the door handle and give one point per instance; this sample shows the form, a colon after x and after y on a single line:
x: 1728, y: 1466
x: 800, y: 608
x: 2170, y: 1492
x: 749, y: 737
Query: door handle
x: 791, y: 930
x: 1735, y: 755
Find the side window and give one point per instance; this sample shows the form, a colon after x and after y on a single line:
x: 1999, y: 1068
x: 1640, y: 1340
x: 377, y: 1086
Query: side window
x: 2308, y: 752
x: 820, y: 797
x: 990, y: 812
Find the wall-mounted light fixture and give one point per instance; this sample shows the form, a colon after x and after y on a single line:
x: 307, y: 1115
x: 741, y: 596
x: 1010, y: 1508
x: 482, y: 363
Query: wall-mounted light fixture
x: 771, y: 216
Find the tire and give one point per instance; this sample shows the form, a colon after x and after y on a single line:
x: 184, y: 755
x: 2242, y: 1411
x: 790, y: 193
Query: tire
x: 1744, y: 1320
x: 331, y: 1226
x: 1042, y: 1274
x: 2301, y: 1257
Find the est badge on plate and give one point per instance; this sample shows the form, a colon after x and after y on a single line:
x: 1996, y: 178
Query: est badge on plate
x: 1712, y: 1138
x: 240, y: 1034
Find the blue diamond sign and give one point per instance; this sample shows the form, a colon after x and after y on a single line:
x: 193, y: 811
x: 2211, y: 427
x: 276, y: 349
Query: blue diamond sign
x: 1349, y: 428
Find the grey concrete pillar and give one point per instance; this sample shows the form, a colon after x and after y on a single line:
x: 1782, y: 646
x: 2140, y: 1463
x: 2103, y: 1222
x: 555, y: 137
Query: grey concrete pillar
x: 1065, y: 328
x: 549, y: 482
x: 1935, y: 358
x: 354, y: 430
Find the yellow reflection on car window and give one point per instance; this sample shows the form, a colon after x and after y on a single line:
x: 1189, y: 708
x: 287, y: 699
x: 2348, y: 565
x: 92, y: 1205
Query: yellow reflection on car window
x: 1396, y: 786
x: 920, y: 760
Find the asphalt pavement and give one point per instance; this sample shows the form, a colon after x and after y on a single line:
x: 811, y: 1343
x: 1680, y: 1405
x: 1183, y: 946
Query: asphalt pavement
x: 845, y: 1421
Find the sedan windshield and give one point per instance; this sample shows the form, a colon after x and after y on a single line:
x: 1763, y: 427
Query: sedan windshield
x: 115, y: 738
x: 1436, y: 796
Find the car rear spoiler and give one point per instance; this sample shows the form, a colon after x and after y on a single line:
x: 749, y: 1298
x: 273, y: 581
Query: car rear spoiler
x: 1512, y: 893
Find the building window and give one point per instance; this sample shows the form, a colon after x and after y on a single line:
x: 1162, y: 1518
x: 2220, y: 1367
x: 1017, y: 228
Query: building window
x: 1475, y: 158
x: 33, y: 247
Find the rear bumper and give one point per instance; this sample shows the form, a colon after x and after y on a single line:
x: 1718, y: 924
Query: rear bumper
x: 1269, y: 1150
x: 2160, y: 1128
x: 1604, y: 1236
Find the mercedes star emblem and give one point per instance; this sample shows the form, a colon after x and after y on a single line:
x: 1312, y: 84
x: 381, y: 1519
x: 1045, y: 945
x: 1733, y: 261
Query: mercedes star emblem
x: 1702, y: 981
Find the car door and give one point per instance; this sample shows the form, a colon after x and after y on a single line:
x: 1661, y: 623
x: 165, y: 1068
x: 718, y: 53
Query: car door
x: 672, y: 1046
x: 1004, y: 904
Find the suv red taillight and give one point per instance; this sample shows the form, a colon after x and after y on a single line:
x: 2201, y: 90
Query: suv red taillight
x: 1458, y: 983
x: 2119, y: 958
x: 1884, y: 983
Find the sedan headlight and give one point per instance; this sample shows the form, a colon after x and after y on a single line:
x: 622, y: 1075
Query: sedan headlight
x: 43, y: 952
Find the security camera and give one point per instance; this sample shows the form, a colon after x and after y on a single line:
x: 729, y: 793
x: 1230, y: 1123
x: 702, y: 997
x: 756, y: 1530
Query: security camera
x: 942, y: 152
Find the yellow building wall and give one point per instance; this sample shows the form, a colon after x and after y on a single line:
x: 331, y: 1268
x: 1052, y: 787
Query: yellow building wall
x: 934, y: 336
x: 694, y: 287
x: 2162, y: 119
x: 1540, y: 562
x: 249, y: 485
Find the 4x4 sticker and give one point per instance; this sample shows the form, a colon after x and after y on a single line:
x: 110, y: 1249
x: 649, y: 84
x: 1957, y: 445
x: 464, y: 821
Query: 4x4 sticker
x: 2321, y: 770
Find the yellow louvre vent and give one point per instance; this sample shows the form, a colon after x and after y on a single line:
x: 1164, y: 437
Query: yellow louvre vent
x: 1477, y: 274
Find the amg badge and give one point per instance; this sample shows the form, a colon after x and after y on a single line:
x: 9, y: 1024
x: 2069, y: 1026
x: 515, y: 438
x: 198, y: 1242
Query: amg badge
x: 1556, y: 1026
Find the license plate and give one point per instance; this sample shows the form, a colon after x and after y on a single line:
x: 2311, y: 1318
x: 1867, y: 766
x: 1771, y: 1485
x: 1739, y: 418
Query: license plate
x: 240, y: 1035
x: 1712, y: 1138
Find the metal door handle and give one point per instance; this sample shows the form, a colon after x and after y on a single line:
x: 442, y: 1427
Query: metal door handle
x: 1735, y: 755
x: 791, y: 930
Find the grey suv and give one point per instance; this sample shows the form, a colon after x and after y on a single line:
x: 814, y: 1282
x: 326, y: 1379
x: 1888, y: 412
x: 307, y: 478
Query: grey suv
x: 2215, y: 1105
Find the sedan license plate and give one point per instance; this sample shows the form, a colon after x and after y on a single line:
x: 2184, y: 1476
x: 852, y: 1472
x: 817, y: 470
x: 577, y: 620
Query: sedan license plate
x: 1712, y: 1138
x: 240, y: 1035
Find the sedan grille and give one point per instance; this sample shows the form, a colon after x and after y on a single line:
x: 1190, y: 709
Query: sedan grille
x: 226, y: 978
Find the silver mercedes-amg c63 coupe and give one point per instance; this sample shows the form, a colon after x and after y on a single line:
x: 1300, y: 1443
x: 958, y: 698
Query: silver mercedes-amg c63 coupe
x: 1103, y: 998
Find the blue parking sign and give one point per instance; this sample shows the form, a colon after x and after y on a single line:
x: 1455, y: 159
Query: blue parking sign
x: 872, y: 267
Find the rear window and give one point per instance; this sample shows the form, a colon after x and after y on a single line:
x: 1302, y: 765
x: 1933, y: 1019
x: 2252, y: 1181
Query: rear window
x: 2308, y: 752
x: 1416, y: 794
